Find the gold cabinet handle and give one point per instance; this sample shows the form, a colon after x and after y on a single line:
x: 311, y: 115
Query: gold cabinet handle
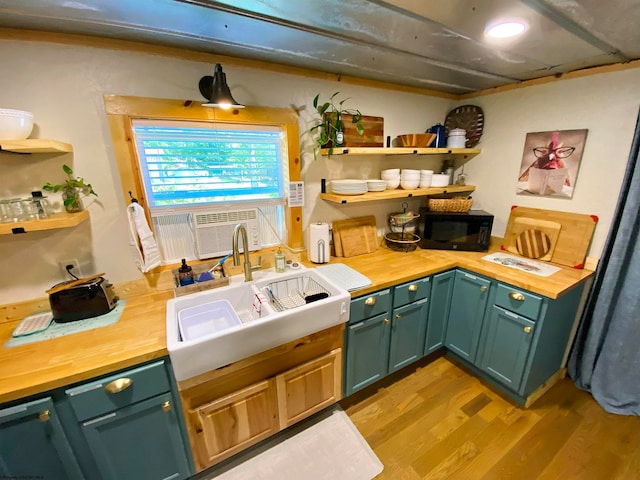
x: 398, y: 317
x: 518, y: 297
x: 118, y: 385
x: 44, y: 416
x: 413, y: 288
x: 483, y: 288
x: 527, y: 329
x: 370, y: 301
x: 166, y: 406
x: 387, y: 321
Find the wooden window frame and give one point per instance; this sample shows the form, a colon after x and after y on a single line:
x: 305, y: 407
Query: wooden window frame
x: 122, y: 109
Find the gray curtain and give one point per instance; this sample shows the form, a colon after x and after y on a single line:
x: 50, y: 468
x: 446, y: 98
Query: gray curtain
x: 605, y: 358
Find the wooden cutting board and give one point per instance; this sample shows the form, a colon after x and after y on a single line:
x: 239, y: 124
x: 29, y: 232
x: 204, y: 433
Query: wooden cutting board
x: 571, y: 242
x: 534, y: 238
x: 355, y: 236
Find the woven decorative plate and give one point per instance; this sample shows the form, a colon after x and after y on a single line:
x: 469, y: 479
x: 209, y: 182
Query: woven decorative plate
x: 468, y: 117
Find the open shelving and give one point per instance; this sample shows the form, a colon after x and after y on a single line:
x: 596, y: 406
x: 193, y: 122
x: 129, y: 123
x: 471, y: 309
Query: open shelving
x: 397, y: 193
x: 56, y: 220
x: 35, y: 145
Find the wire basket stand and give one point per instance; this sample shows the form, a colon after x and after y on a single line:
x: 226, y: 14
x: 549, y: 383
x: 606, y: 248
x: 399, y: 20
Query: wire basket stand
x: 294, y: 292
x: 402, y: 225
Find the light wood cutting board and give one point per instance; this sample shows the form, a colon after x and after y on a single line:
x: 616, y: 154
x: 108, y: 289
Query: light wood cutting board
x: 533, y: 238
x: 355, y: 236
x: 573, y: 239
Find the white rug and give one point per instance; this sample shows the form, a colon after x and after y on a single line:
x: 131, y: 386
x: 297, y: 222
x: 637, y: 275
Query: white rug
x: 329, y: 448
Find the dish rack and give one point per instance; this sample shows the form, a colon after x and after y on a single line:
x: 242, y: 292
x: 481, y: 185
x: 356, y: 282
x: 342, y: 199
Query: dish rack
x: 457, y: 204
x: 294, y: 292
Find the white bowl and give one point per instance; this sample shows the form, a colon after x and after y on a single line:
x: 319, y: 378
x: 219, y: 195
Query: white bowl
x: 15, y: 124
x: 439, y: 180
x: 426, y: 172
x: 390, y: 171
x: 412, y: 176
x: 409, y: 184
x: 425, y: 182
x: 393, y: 183
x: 407, y: 171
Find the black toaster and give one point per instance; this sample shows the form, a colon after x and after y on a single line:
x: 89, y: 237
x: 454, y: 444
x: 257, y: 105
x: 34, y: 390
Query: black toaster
x: 88, y: 299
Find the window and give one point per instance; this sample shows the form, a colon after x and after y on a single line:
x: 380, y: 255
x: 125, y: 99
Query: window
x: 186, y: 163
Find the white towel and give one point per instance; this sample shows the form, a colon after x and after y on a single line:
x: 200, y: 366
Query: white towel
x: 143, y: 246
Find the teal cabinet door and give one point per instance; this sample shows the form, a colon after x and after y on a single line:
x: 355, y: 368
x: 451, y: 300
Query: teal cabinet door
x: 468, y: 304
x: 33, y: 443
x: 141, y: 441
x: 441, y: 292
x: 408, y: 326
x: 367, y: 352
x: 506, y: 346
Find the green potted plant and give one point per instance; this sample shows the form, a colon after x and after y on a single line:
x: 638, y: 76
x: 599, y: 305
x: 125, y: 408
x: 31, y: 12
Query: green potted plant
x: 330, y: 128
x: 71, y: 189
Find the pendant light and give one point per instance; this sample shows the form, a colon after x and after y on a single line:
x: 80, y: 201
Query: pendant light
x: 216, y: 90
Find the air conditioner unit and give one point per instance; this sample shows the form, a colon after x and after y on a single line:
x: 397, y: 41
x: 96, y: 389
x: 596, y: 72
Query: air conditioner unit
x: 214, y: 231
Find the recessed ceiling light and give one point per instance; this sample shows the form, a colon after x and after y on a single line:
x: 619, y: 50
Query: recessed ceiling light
x: 506, y: 29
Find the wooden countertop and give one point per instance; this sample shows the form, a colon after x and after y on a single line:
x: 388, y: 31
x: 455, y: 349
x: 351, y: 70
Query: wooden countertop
x: 140, y: 335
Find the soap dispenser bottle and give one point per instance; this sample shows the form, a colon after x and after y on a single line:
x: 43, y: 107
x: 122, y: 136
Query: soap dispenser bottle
x: 185, y: 274
x: 281, y: 264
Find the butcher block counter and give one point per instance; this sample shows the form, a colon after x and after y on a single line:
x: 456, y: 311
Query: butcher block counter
x: 139, y: 335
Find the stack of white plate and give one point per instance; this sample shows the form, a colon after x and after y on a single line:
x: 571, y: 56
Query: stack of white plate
x: 376, y: 185
x: 349, y: 187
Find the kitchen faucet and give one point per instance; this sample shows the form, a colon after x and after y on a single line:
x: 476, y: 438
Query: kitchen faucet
x: 240, y: 230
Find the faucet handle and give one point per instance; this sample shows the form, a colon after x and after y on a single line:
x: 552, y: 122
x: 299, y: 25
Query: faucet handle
x: 257, y: 266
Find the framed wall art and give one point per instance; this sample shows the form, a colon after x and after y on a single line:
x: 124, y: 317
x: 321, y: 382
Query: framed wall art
x: 550, y: 163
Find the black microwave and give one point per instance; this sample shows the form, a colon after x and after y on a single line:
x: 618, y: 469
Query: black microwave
x: 470, y: 231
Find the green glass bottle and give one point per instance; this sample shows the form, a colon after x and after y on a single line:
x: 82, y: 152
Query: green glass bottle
x: 339, y: 131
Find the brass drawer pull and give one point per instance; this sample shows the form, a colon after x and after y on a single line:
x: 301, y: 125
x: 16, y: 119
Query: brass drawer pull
x: 387, y: 321
x: 118, y: 385
x: 527, y: 329
x: 483, y: 288
x: 518, y: 297
x: 370, y: 301
x: 44, y: 416
x: 398, y: 317
x: 413, y: 288
x: 166, y: 406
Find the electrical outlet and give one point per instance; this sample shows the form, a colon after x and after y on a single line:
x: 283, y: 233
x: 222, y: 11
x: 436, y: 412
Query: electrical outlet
x: 75, y: 270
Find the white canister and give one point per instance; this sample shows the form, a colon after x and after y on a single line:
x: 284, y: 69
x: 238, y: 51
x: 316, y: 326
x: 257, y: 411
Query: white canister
x: 318, y: 247
x: 457, y: 138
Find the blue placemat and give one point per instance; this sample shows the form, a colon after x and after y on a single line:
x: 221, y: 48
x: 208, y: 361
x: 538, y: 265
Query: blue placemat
x: 344, y: 276
x: 60, y: 329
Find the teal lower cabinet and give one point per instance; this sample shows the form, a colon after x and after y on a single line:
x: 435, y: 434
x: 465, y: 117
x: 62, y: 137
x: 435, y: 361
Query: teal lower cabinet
x: 367, y: 356
x: 33, y: 443
x: 408, y: 327
x: 468, y: 303
x: 440, y: 305
x: 506, y: 347
x: 123, y: 426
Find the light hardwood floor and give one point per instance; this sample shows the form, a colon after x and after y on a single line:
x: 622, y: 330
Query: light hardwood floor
x: 440, y: 422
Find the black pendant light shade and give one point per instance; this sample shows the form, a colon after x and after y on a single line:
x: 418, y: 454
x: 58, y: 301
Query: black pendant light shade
x: 216, y: 90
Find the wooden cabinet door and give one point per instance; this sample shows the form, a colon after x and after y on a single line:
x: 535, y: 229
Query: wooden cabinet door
x: 507, y: 343
x: 309, y: 388
x: 33, y: 444
x: 468, y: 303
x: 441, y: 292
x: 367, y: 356
x: 234, y: 422
x: 408, y: 327
x: 141, y: 441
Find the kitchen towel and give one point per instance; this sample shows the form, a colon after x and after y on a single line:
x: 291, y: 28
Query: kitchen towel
x: 326, y: 446
x: 143, y: 246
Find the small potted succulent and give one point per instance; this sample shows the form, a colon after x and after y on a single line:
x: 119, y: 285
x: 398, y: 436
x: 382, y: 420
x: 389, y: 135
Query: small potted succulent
x: 71, y: 189
x: 330, y: 129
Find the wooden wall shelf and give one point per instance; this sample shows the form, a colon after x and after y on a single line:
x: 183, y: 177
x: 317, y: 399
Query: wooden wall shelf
x: 398, y: 193
x: 465, y: 152
x: 56, y: 220
x: 35, y: 145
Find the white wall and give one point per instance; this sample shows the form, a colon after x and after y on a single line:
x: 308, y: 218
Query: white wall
x: 63, y: 87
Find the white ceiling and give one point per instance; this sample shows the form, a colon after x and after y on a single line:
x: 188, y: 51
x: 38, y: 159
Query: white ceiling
x: 431, y: 44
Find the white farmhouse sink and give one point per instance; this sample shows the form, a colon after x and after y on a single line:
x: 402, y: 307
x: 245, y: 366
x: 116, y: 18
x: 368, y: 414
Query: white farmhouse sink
x: 217, y: 338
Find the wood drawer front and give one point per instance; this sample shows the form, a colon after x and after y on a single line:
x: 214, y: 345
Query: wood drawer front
x: 370, y: 305
x: 230, y: 424
x: 411, y: 292
x: 518, y: 301
x: 309, y: 388
x: 93, y: 399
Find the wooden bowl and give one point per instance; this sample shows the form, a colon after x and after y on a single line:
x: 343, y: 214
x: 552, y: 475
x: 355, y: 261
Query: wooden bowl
x: 419, y: 140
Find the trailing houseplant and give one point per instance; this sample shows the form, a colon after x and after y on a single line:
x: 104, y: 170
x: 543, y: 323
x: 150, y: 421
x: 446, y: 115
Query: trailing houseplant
x: 71, y: 190
x: 330, y: 129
